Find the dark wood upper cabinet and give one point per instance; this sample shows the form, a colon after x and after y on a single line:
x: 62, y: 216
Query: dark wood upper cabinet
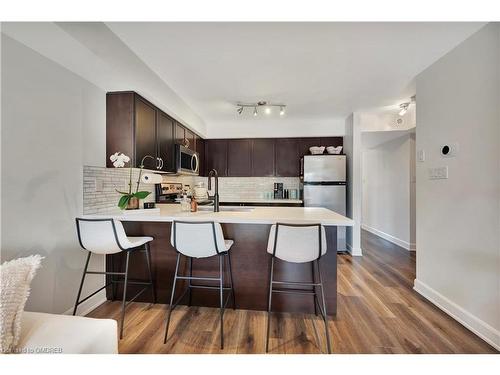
x: 287, y: 157
x: 239, y: 159
x: 305, y: 143
x: 138, y: 128
x: 120, y: 115
x: 190, y: 138
x: 145, y: 134
x: 200, y: 149
x: 216, y: 156
x: 263, y: 157
x: 332, y: 141
x: 165, y: 141
x: 180, y: 133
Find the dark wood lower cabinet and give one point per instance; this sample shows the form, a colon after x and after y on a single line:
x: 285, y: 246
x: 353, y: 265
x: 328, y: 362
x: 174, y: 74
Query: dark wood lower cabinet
x: 250, y: 263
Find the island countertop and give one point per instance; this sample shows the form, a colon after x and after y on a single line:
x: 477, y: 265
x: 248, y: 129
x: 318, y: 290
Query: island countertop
x: 234, y: 215
x: 249, y: 228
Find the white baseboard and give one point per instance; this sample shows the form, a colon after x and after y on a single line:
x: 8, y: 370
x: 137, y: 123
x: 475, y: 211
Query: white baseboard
x: 405, y: 245
x: 468, y: 320
x: 354, y: 252
x: 89, y: 304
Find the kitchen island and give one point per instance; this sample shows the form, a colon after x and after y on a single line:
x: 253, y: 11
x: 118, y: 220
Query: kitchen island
x: 249, y: 228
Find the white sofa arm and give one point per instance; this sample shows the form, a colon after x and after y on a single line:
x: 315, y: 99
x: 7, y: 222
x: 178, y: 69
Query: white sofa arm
x: 52, y: 333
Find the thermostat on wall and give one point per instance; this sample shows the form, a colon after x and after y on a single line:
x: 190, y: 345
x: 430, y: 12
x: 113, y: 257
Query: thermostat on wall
x: 449, y: 150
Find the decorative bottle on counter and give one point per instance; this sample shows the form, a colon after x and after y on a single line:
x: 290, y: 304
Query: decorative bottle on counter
x: 194, y: 205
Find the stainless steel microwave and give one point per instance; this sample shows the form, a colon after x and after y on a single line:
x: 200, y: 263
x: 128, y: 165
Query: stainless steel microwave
x: 186, y: 161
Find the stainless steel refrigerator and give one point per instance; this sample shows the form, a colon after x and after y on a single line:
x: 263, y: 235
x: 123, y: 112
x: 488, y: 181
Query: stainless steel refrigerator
x: 323, y: 184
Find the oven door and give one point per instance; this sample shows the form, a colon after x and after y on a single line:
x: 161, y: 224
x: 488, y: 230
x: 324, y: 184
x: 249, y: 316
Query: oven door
x: 187, y: 161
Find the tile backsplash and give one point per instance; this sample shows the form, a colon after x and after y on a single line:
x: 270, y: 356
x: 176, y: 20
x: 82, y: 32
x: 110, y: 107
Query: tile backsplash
x: 99, y: 184
x: 236, y: 188
x: 240, y: 188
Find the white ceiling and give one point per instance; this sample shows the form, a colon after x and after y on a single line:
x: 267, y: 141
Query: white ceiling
x: 322, y: 71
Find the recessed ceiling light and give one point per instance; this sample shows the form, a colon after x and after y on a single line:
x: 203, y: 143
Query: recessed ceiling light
x: 282, y: 111
x: 255, y: 111
x: 267, y: 110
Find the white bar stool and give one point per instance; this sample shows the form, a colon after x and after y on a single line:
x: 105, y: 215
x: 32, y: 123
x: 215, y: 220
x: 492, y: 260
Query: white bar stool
x: 107, y: 237
x: 298, y: 243
x: 201, y: 240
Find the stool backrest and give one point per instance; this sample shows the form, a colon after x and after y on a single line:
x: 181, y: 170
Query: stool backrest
x: 197, y: 239
x: 101, y: 236
x: 297, y: 243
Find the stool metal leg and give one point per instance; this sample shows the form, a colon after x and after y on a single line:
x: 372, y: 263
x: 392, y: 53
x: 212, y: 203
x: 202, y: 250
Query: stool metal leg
x: 169, y: 313
x: 221, y: 286
x: 124, y: 294
x: 231, y: 278
x: 148, y: 261
x: 314, y: 289
x: 325, y: 316
x: 113, y: 283
x: 189, y: 281
x: 81, y: 283
x: 269, y: 304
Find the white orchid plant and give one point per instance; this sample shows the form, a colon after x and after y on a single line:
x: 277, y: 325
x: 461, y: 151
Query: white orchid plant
x: 119, y: 160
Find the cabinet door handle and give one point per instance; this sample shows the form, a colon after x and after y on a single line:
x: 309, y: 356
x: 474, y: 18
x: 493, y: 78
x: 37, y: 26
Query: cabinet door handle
x: 158, y: 163
x: 161, y: 163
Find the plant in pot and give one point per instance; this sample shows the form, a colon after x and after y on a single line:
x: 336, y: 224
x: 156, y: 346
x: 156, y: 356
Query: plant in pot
x: 129, y: 200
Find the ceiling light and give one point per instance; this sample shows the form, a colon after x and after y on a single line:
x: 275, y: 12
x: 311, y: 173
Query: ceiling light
x: 403, y: 108
x: 266, y: 106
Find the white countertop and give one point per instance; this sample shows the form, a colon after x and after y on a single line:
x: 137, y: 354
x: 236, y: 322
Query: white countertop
x: 246, y: 215
x: 260, y: 200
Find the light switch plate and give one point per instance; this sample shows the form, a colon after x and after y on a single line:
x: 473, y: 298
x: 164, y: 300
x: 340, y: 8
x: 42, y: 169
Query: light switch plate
x: 421, y: 155
x: 438, y: 173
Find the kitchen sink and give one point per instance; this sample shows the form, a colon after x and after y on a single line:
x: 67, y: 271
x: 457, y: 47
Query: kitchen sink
x: 226, y: 208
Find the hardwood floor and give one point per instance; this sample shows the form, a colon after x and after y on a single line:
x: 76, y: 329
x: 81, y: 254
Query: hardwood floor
x: 378, y: 312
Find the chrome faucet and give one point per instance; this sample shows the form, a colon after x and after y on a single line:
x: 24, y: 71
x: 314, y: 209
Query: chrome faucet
x: 215, y: 197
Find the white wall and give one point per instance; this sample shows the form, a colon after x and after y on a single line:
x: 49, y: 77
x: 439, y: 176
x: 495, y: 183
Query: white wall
x: 95, y: 53
x: 387, y: 184
x: 352, y: 148
x: 280, y: 127
x: 458, y: 219
x: 53, y: 122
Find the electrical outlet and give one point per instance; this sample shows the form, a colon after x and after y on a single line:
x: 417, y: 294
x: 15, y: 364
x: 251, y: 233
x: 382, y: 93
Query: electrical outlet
x: 438, y: 173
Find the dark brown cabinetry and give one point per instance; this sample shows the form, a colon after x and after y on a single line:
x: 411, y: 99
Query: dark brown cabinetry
x: 138, y: 128
x: 180, y: 133
x: 200, y: 149
x: 145, y: 134
x: 287, y: 157
x: 239, y: 157
x: 216, y: 156
x: 263, y: 157
x: 165, y: 141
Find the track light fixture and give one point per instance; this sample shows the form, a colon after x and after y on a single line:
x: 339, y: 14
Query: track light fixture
x: 403, y: 108
x: 260, y: 105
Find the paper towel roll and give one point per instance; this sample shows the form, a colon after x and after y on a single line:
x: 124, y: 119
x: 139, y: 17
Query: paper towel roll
x: 151, y: 178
